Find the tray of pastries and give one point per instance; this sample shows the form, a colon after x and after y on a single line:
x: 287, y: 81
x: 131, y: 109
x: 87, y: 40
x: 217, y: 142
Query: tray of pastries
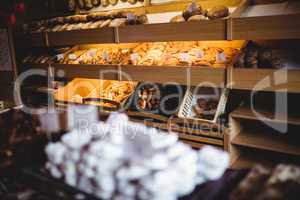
x: 156, y: 101
x: 108, y: 94
x: 203, y: 104
x: 197, y: 53
x: 85, y: 21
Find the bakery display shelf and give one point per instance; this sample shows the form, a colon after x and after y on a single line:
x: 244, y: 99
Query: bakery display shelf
x: 184, y: 75
x: 70, y: 71
x: 194, y: 145
x: 270, y: 21
x: 267, y: 116
x: 200, y: 139
x: 267, y: 141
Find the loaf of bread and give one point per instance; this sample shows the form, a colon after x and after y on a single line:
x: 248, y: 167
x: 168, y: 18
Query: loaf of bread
x: 218, y: 12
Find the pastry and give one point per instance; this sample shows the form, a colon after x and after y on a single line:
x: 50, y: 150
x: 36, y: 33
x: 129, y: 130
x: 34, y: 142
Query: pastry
x: 88, y: 4
x: 105, y: 3
x: 191, y: 10
x: 96, y: 25
x: 119, y: 22
x: 197, y: 18
x: 96, y: 3
x: 177, y: 18
x: 81, y: 4
x: 142, y: 19
x: 218, y: 12
x: 148, y: 98
x: 72, y: 5
x: 113, y: 2
x: 106, y: 23
x: 132, y: 1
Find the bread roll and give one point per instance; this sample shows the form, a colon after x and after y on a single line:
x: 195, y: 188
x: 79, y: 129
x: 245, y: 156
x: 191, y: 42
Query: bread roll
x: 218, y: 12
x: 88, y: 4
x: 81, y: 4
x: 191, y: 10
x: 105, y: 3
x: 96, y: 3
x: 113, y: 2
x: 132, y: 1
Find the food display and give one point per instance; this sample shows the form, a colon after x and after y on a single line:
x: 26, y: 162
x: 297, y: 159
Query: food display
x: 196, y: 13
x: 280, y: 183
x: 205, y: 108
x: 89, y: 21
x: 158, y: 53
x: 149, y: 98
x: 255, y: 56
x: 105, y: 93
x: 132, y: 161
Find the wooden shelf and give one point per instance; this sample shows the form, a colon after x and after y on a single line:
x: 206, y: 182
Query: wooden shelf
x: 182, y: 31
x: 264, y: 79
x: 267, y: 141
x: 108, y: 72
x: 92, y: 36
x: 194, y: 145
x: 184, y: 75
x: 270, y: 21
x: 246, y: 113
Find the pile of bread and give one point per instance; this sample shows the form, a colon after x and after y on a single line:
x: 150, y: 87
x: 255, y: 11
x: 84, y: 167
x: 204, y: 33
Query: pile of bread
x: 158, y: 53
x: 90, y: 21
x: 89, y: 4
x: 196, y: 13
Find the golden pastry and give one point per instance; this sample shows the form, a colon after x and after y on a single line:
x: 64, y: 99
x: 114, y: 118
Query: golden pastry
x: 113, y: 2
x: 105, y: 23
x: 132, y: 1
x: 72, y: 5
x: 88, y: 4
x: 96, y: 25
x: 177, y: 18
x: 96, y: 3
x: 197, y: 18
x: 105, y: 3
x: 218, y: 12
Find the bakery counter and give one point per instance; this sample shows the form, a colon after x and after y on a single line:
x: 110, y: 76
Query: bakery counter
x: 270, y: 21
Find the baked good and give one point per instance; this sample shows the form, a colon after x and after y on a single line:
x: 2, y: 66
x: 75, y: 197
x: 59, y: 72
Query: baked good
x: 81, y: 4
x: 197, y: 18
x: 96, y: 24
x: 177, y: 18
x: 106, y: 23
x: 205, y: 108
x: 96, y: 3
x: 191, y: 10
x: 105, y: 3
x: 88, y: 4
x: 218, y: 12
x: 132, y: 1
x: 148, y: 98
x: 119, y: 22
x: 72, y: 5
x: 113, y: 2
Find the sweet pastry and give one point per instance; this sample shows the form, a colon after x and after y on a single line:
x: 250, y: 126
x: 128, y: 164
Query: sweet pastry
x: 113, y: 2
x: 132, y: 1
x: 119, y: 22
x: 218, y: 12
x: 72, y: 5
x: 88, y: 4
x: 177, y: 18
x: 105, y: 3
x: 96, y: 3
x: 197, y: 18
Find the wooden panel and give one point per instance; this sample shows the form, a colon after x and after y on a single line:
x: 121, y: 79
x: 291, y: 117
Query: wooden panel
x: 265, y: 79
x: 267, y: 141
x: 109, y: 72
x: 266, y: 27
x: 183, y: 31
x: 179, y: 74
x: 195, y: 145
x: 104, y: 35
x: 200, y: 139
x: 31, y: 40
x: 246, y: 113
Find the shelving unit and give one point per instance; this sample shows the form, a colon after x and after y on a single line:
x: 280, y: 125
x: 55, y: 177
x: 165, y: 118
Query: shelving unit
x: 251, y: 142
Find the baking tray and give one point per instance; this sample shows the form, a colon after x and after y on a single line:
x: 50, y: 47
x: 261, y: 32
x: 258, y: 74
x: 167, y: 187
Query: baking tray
x: 160, y: 114
x: 194, y: 93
